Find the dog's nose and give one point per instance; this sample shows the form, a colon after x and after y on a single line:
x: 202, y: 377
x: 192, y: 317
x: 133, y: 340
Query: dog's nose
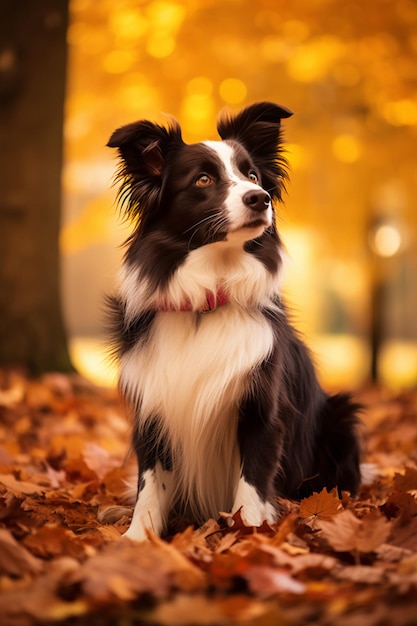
x: 257, y: 200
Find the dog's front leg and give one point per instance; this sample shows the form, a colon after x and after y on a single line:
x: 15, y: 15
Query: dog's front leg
x: 260, y: 443
x: 152, y: 505
x: 155, y: 485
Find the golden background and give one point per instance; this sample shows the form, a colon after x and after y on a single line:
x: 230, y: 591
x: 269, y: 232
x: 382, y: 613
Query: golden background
x: 347, y: 69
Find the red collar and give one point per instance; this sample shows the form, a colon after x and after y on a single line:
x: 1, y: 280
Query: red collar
x: 213, y: 301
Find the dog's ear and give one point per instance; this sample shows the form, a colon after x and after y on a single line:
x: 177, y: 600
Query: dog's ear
x: 261, y: 117
x: 258, y: 129
x: 142, y: 146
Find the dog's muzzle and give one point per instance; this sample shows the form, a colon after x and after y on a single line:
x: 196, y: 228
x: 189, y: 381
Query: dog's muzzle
x: 258, y: 201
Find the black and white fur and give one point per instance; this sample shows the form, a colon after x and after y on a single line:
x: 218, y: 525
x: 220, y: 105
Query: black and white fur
x: 228, y: 413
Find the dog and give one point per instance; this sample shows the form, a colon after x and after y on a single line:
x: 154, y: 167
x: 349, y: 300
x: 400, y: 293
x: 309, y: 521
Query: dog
x: 228, y: 412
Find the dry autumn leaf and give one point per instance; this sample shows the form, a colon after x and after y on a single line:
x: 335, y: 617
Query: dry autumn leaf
x: 51, y: 540
x: 365, y: 574
x: 374, y: 531
x: 189, y: 577
x: 38, y: 602
x: 184, y: 609
x: 346, y: 533
x: 406, y: 481
x: 98, y: 459
x: 265, y: 581
x: 15, y: 559
x: 122, y: 569
x: 322, y: 505
x: 20, y: 486
x: 405, y: 535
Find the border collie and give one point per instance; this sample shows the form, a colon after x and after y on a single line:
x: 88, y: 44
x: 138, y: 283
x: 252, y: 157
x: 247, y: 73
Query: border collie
x: 228, y: 413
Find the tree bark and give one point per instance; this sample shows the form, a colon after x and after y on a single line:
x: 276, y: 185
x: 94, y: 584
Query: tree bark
x: 32, y: 91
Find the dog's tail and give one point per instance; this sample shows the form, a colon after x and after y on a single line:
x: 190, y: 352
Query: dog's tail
x: 338, y: 444
x: 337, y: 453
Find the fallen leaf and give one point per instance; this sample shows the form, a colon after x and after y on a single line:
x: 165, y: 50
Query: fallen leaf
x: 293, y: 550
x: 236, y: 521
x: 98, y: 459
x: 52, y: 540
x: 392, y: 554
x: 20, y: 486
x: 266, y: 581
x: 322, y: 505
x: 305, y: 563
x: 365, y: 574
x: 38, y: 603
x: 400, y: 504
x: 341, y: 532
x: 56, y: 477
x: 345, y: 532
x: 374, y: 531
x: 123, y: 569
x: 115, y: 481
x: 226, y: 568
x: 240, y: 609
x: 16, y: 560
x: 38, y: 395
x: 406, y: 481
x: 78, y: 471
x: 185, y: 610
x: 284, y: 528
x: 404, y: 535
x: 13, y: 395
x: 5, y: 458
x: 408, y: 565
x: 188, y: 576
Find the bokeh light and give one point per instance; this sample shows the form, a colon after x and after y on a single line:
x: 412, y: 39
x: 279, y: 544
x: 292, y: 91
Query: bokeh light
x: 386, y: 240
x: 233, y: 90
x: 346, y: 148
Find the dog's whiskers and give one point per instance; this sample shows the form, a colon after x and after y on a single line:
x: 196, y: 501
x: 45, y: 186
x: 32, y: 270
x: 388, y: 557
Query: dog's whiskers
x: 214, y: 228
x: 199, y: 223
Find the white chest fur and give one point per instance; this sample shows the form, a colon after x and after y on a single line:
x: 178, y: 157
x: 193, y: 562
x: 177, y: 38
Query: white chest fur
x: 190, y: 374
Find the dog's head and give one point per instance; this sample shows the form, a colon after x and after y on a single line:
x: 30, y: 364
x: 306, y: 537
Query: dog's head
x: 204, y: 192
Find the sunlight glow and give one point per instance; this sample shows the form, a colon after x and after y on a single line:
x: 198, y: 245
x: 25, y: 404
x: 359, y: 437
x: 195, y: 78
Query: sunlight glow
x: 312, y: 61
x: 341, y: 359
x: 160, y: 45
x: 90, y: 359
x: 400, y: 112
x: 398, y: 364
x: 128, y: 24
x: 346, y: 148
x: 118, y: 61
x: 233, y: 90
x: 386, y: 241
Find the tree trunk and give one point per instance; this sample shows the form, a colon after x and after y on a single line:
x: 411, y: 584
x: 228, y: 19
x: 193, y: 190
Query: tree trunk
x: 32, y: 91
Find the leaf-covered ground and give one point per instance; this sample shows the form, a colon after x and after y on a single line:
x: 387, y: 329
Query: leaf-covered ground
x: 347, y: 562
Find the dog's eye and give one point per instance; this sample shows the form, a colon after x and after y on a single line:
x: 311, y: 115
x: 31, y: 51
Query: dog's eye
x: 253, y: 176
x: 204, y: 180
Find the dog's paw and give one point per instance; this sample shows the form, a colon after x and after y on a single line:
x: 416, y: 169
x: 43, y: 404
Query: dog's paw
x: 143, y: 523
x: 252, y: 516
x: 136, y: 533
x: 253, y: 510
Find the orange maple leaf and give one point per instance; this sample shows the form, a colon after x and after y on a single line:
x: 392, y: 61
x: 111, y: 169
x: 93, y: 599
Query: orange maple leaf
x: 322, y: 505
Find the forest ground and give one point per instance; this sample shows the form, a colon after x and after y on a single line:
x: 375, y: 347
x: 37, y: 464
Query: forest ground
x: 329, y: 561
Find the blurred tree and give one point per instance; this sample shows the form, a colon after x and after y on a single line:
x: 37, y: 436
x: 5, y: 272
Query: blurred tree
x: 32, y: 87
